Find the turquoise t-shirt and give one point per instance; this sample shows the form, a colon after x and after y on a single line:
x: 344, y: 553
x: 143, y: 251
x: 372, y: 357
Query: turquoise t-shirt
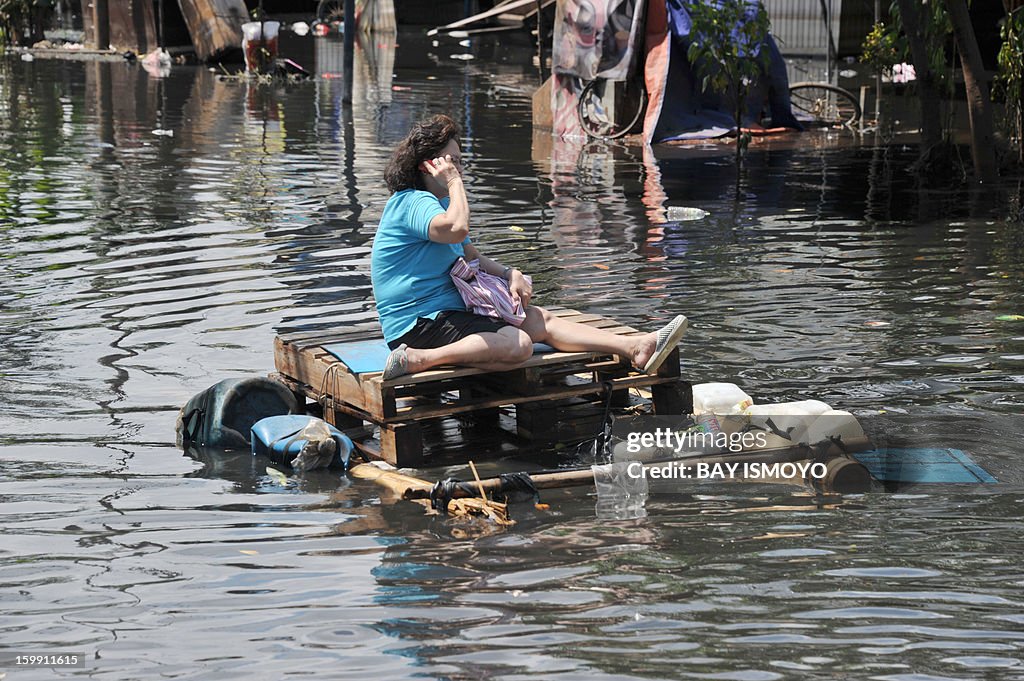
x: 409, y: 271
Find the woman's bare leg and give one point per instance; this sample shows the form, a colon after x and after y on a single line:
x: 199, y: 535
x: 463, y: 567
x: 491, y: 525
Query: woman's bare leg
x: 544, y: 327
x: 502, y: 350
x: 509, y: 347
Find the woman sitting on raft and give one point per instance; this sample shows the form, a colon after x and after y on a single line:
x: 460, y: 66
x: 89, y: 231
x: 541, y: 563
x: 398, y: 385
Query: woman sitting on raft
x: 424, y: 229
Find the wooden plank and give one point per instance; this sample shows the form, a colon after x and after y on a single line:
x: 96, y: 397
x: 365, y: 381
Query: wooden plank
x: 215, y: 26
x: 401, y: 444
x: 670, y: 369
x: 338, y: 383
x: 369, y: 448
x: 585, y: 318
x: 132, y: 26
x: 494, y: 11
x: 626, y: 383
x: 356, y: 332
x: 539, y: 360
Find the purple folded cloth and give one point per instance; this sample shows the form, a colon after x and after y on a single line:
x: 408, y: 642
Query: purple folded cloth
x: 486, y: 294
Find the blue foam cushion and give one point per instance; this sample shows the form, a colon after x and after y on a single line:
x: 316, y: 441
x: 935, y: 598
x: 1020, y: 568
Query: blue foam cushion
x: 279, y: 437
x: 923, y: 465
x: 361, y: 357
x: 369, y: 356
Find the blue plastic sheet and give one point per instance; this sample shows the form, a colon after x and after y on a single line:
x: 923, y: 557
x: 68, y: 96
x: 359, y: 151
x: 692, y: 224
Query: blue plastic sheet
x: 923, y: 465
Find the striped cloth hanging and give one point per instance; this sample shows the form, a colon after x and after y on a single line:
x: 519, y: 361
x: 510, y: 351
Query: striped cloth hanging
x: 486, y: 294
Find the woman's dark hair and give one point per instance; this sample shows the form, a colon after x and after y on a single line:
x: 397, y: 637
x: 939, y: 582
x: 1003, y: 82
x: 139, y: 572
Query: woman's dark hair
x: 424, y: 141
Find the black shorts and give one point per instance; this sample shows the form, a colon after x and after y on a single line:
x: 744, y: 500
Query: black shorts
x: 449, y: 326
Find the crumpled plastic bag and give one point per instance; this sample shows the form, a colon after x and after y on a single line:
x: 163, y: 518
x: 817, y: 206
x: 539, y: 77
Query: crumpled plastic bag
x: 320, y: 447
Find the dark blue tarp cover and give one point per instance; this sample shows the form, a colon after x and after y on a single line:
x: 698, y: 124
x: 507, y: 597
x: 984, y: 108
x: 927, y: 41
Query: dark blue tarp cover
x: 689, y: 113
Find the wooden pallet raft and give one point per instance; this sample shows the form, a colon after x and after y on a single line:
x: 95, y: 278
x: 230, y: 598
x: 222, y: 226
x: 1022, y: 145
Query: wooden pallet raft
x: 399, y: 407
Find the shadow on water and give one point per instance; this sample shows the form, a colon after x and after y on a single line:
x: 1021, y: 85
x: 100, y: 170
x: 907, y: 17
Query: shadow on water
x: 155, y: 234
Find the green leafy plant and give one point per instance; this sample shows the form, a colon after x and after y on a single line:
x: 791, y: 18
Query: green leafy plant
x: 1009, y: 82
x: 887, y: 45
x: 727, y: 50
x: 881, y: 49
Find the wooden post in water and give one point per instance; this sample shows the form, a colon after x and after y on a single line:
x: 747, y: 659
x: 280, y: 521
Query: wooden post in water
x: 101, y: 24
x: 160, y: 25
x: 349, y: 48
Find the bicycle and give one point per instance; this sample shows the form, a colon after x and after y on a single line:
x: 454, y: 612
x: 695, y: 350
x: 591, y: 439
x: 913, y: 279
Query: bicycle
x: 627, y: 106
x: 814, y: 104
x: 824, y: 104
x: 333, y: 11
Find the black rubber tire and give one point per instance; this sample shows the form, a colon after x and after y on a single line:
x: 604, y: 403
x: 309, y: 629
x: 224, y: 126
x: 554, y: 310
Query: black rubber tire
x: 604, y: 128
x: 824, y: 104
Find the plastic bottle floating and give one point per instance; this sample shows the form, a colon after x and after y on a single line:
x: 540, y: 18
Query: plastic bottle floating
x: 684, y: 213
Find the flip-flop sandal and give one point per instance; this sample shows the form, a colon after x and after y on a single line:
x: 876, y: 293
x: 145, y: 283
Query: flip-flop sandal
x: 668, y: 338
x: 397, y: 364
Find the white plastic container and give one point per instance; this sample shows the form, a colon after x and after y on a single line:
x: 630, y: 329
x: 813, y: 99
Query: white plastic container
x: 719, y: 398
x: 802, y: 408
x: 841, y: 424
x: 785, y: 423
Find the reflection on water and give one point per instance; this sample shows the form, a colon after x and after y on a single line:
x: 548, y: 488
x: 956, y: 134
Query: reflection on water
x: 139, y: 268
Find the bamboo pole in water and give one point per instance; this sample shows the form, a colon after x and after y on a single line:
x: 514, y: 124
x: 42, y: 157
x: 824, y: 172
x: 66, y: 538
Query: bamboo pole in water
x: 842, y: 474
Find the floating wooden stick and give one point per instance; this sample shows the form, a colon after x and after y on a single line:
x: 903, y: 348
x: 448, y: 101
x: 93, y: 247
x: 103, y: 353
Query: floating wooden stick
x: 418, y: 490
x: 843, y: 475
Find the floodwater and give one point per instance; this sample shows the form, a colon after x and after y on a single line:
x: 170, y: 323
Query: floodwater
x: 157, y: 233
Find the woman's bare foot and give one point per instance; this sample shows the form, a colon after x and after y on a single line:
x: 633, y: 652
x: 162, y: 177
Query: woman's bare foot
x: 644, y: 349
x: 417, y: 361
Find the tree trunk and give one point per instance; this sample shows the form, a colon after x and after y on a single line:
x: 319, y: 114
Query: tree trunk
x: 931, y: 115
x: 979, y: 103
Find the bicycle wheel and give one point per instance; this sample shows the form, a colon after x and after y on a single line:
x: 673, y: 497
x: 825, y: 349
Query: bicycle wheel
x: 329, y: 11
x: 824, y: 104
x: 611, y: 114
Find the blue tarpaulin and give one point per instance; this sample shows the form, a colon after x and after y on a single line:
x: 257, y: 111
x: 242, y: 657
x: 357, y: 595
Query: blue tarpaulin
x: 923, y: 465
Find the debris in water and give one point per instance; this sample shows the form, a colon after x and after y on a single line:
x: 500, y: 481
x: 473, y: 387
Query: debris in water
x: 277, y: 476
x: 682, y: 213
x: 1010, y: 318
x: 463, y: 57
x: 163, y: 133
x: 27, y: 57
x: 300, y: 28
